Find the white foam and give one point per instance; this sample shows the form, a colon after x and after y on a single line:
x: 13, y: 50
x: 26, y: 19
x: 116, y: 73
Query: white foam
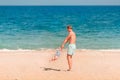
x: 41, y: 49
x: 16, y: 49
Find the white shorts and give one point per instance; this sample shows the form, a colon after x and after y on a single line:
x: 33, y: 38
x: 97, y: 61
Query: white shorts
x: 71, y: 49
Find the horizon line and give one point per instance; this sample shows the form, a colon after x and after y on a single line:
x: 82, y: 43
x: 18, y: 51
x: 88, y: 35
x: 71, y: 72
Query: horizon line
x: 63, y: 5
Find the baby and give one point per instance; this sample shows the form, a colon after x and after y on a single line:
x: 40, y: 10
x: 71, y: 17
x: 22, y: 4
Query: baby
x: 56, y: 55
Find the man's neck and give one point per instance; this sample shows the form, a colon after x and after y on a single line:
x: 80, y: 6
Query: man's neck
x: 71, y: 31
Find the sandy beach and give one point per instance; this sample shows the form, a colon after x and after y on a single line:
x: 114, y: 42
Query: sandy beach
x: 35, y: 65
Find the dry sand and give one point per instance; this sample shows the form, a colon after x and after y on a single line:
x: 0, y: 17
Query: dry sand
x: 35, y: 65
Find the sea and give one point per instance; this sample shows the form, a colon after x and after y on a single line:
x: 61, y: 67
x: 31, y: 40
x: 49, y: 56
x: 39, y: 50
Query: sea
x: 44, y: 27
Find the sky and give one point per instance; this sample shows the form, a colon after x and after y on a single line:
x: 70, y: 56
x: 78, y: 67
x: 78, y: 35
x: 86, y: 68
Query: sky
x: 59, y: 2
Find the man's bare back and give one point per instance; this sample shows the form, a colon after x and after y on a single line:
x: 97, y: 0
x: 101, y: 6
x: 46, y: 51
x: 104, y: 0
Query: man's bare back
x: 72, y: 39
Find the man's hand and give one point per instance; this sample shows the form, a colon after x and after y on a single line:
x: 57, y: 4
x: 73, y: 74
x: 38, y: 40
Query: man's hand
x: 62, y: 47
x: 65, y: 41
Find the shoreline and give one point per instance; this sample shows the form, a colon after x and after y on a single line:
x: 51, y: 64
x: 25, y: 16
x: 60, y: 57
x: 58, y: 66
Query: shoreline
x: 46, y: 49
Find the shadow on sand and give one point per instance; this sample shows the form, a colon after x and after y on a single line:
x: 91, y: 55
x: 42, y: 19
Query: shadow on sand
x: 50, y: 69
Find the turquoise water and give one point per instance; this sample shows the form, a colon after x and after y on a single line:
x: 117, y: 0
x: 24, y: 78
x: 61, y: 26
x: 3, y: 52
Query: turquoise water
x: 36, y: 27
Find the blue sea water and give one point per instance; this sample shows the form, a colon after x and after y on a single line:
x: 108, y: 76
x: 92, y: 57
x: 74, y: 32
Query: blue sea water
x: 36, y: 27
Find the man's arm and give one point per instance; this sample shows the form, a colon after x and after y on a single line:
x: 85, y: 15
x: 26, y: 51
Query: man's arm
x: 66, y: 40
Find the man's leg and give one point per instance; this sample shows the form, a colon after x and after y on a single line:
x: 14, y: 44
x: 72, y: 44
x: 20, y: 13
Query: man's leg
x: 69, y: 59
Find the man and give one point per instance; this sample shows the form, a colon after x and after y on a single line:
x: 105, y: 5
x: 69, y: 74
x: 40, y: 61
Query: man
x: 71, y: 38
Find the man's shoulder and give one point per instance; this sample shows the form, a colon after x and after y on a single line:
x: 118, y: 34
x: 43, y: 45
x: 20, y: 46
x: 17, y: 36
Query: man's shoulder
x: 72, y: 32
